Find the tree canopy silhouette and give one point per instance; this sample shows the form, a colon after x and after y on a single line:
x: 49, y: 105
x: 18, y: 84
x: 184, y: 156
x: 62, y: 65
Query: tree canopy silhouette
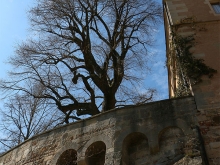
x: 87, y: 54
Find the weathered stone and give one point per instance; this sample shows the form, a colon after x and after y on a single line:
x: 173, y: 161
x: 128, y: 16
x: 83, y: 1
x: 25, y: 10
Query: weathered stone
x: 190, y: 161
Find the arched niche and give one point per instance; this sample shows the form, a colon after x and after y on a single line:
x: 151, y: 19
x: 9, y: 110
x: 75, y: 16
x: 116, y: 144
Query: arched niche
x: 135, y: 149
x: 170, y: 136
x: 171, y: 143
x: 68, y: 157
x: 95, y: 153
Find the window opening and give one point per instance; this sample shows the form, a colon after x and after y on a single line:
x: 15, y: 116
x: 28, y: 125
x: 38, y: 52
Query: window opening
x: 216, y: 7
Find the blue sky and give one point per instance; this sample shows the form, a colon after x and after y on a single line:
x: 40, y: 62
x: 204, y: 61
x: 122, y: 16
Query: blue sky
x: 14, y: 27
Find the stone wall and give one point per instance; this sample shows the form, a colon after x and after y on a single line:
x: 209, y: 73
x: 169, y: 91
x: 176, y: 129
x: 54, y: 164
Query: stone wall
x: 158, y: 133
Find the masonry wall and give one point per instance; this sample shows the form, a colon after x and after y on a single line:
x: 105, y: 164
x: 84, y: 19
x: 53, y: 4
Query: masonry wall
x: 158, y: 133
x: 207, y: 47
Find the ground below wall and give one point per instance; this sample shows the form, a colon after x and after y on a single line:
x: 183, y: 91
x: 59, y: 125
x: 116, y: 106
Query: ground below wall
x: 158, y: 133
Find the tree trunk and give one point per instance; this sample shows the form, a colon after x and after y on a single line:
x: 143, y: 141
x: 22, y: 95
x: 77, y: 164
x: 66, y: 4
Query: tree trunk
x: 109, y: 102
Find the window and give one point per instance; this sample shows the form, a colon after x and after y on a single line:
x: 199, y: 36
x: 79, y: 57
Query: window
x: 216, y: 7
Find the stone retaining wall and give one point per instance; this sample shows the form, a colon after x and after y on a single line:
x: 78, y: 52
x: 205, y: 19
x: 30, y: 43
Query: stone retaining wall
x: 155, y: 133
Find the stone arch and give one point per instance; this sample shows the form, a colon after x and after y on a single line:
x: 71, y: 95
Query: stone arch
x: 184, y: 126
x: 105, y: 139
x: 135, y: 149
x: 68, y: 157
x: 171, y: 143
x: 123, y: 134
x: 178, y: 123
x: 169, y: 135
x: 95, y: 153
x: 68, y: 146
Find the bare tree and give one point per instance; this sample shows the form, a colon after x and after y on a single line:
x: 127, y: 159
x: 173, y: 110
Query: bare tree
x: 23, y: 117
x: 88, y: 54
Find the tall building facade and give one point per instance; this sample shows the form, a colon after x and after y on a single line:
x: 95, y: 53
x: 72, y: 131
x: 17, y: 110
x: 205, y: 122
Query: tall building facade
x: 199, y: 22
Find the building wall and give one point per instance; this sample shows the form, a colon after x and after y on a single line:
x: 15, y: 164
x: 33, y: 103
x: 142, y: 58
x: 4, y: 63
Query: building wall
x: 159, y: 133
x: 207, y: 47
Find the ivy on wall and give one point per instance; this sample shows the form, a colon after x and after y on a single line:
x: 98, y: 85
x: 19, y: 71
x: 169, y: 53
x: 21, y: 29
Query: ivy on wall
x: 188, y: 69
